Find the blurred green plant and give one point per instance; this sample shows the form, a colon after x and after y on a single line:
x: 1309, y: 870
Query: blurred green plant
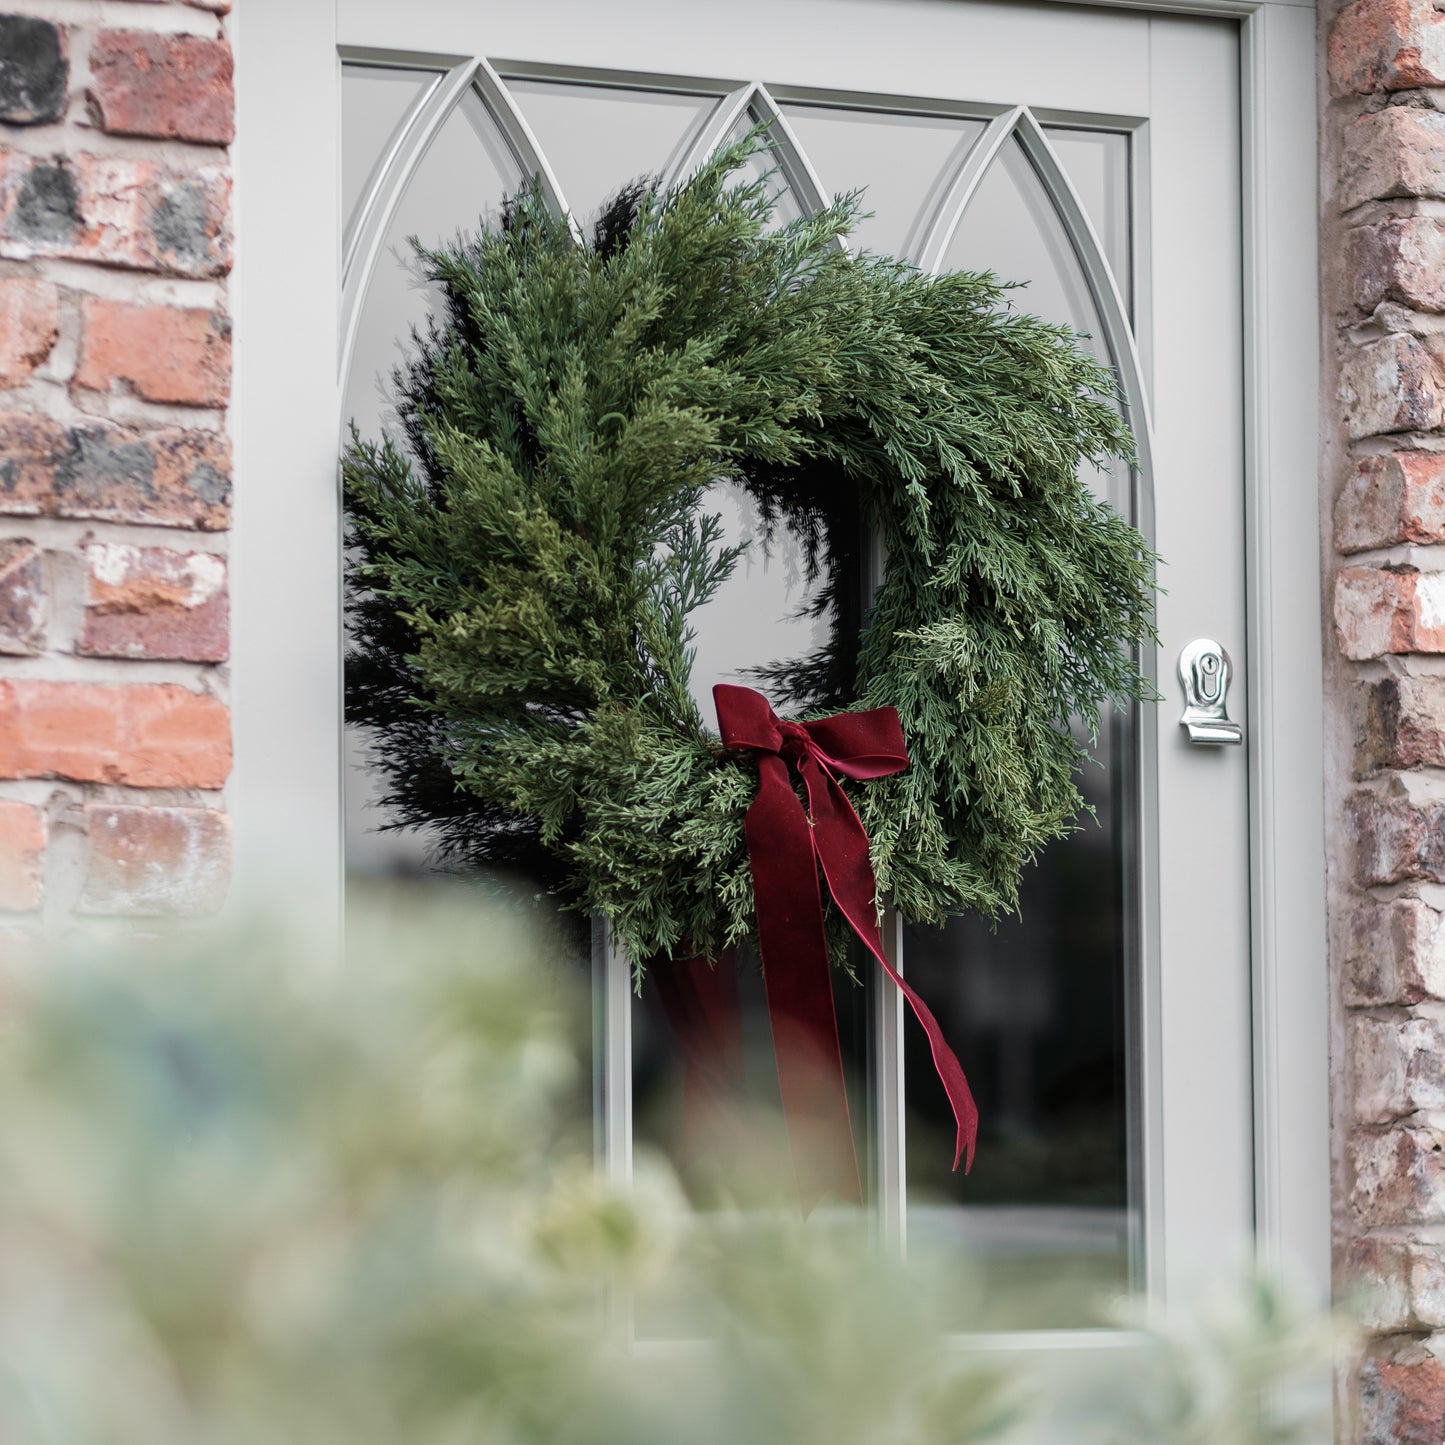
x: 252, y: 1194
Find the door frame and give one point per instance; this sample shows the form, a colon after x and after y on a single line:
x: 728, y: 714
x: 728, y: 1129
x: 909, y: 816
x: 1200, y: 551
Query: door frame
x: 284, y: 794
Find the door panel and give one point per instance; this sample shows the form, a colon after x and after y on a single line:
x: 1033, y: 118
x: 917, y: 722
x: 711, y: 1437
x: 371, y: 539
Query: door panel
x: 1126, y: 983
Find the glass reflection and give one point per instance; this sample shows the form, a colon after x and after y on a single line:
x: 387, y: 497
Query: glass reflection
x: 1012, y: 229
x: 901, y: 163
x: 1036, y: 1007
x: 596, y: 137
x: 1097, y: 164
x: 434, y: 208
x: 786, y: 622
x: 375, y: 100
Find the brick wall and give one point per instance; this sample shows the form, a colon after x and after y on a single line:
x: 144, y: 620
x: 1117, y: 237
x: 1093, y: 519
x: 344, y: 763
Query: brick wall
x: 115, y: 467
x: 1384, y: 287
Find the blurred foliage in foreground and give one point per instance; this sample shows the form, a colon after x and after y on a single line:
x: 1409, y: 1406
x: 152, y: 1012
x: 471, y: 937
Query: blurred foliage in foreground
x: 251, y: 1195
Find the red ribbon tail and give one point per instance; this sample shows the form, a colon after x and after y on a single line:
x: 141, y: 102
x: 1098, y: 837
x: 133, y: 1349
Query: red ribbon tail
x: 799, y: 986
x: 700, y: 1002
x: 842, y: 847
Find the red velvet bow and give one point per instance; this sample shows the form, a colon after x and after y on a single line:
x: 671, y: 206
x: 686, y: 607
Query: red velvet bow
x: 785, y: 847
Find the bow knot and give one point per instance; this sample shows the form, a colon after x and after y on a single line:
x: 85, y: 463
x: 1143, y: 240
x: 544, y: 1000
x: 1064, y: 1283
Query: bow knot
x: 786, y: 847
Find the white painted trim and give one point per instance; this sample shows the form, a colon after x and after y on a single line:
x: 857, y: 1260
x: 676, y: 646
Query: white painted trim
x: 1285, y: 720
x: 285, y: 792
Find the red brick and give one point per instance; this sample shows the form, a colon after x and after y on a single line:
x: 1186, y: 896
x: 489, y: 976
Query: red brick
x: 1399, y: 497
x: 1397, y: 838
x: 1400, y: 723
x: 1393, y: 385
x: 1386, y: 45
x: 22, y: 856
x: 1398, y: 151
x: 1399, y: 1175
x: 145, y: 735
x: 22, y: 597
x: 1402, y: 1396
x: 1400, y: 260
x: 153, y: 602
x: 160, y: 353
x: 117, y: 211
x: 166, y: 477
x: 156, y: 861
x: 1383, y: 610
x: 170, y: 86
x: 29, y: 326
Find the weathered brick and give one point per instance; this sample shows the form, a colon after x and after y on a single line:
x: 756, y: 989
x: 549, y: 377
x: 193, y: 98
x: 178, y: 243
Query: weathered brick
x: 167, y: 477
x: 1402, y: 1395
x: 29, y: 326
x: 1386, y: 45
x: 156, y: 861
x: 1393, y: 385
x: 1397, y: 838
x: 1399, y: 1175
x: 1375, y: 1273
x: 171, y: 86
x: 117, y: 211
x: 1399, y: 497
x: 1398, y: 1067
x: 1398, y: 151
x: 1384, y: 610
x: 1394, y: 953
x: 34, y: 71
x: 1400, y: 723
x: 153, y: 602
x: 145, y: 735
x: 22, y: 856
x: 160, y: 353
x: 1400, y: 260
x: 1377, y: 1070
x: 22, y: 597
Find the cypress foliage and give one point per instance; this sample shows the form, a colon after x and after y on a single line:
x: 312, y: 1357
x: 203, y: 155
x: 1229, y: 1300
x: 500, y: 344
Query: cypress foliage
x: 526, y: 566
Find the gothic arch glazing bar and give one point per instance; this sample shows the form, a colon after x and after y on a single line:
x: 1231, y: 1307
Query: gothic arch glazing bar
x: 398, y: 142
x: 1104, y: 287
x: 378, y: 207
x: 937, y: 233
x: 719, y: 127
x: 1118, y: 337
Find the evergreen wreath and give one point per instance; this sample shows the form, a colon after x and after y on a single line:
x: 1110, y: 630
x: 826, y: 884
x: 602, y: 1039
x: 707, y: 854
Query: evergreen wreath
x: 526, y: 567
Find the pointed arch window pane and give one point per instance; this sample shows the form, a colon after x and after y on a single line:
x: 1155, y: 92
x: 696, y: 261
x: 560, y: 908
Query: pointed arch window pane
x: 375, y: 100
x: 769, y: 164
x: 901, y: 163
x: 1097, y: 162
x: 465, y: 173
x: 1036, y: 1007
x: 1012, y: 228
x: 597, y: 138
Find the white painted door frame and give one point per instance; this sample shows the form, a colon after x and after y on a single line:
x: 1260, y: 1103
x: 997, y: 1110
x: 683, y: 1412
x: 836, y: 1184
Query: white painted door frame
x: 284, y: 795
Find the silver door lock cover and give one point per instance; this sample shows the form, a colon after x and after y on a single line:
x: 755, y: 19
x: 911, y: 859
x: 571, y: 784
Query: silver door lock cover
x: 1204, y: 669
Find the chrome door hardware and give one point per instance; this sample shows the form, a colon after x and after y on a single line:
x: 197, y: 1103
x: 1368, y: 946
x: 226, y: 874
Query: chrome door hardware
x: 1204, y: 669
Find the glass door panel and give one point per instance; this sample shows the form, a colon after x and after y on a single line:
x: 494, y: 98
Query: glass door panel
x: 433, y: 208
x: 1037, y: 1009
